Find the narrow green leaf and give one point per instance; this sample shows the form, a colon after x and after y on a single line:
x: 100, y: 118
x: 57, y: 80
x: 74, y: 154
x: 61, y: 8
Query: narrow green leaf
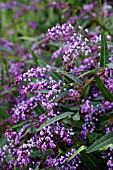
x: 37, y: 167
x: 93, y: 136
x: 3, y: 141
x: 103, y: 141
x: 2, y: 77
x: 78, y: 151
x: 3, y: 114
x: 104, y: 56
x: 89, y: 72
x: 54, y: 119
x: 39, y: 109
x: 106, y: 147
x: 57, y: 44
x: 28, y: 38
x: 110, y: 65
x: 7, y: 50
x: 76, y: 108
x: 86, y: 91
x: 20, y: 124
x: 105, y: 92
x: 62, y: 94
x: 76, y: 117
x: 15, y: 58
x: 6, y: 67
x: 56, y: 75
x: 90, y: 161
x: 70, y: 76
x: 53, y: 74
x: 8, y: 158
x: 35, y: 57
x: 76, y: 80
x: 110, y: 43
x: 43, y: 91
x: 41, y: 63
x: 4, y: 92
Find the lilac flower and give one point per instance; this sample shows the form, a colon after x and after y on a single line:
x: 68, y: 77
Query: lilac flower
x: 61, y: 161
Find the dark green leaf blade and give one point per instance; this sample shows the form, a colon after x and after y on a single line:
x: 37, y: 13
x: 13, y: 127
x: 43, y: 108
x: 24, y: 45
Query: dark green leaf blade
x: 54, y: 119
x: 104, y: 56
x: 3, y: 114
x: 70, y: 76
x: 3, y: 141
x: 105, y: 92
x: 53, y: 74
x: 100, y: 143
x: 90, y: 161
x: 76, y: 116
x: 35, y: 57
x: 110, y: 65
x: 6, y: 67
x: 77, y: 152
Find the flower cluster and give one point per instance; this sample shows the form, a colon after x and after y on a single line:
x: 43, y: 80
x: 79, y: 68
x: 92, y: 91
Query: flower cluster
x: 57, y: 112
x: 61, y: 161
x: 90, y: 116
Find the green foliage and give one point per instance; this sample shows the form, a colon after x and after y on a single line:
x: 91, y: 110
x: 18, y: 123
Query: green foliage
x: 90, y: 161
x: 54, y: 119
x: 104, y: 56
x: 105, y: 92
x: 100, y: 143
x: 77, y: 152
x: 3, y: 114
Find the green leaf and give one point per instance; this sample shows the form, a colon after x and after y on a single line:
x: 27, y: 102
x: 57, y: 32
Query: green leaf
x: 93, y: 136
x: 15, y: 58
x: 4, y: 92
x: 76, y: 80
x: 57, y: 44
x: 76, y: 108
x: 6, y: 67
x: 53, y: 74
x: 43, y: 91
x: 41, y: 63
x: 70, y: 76
x: 104, y: 56
x: 106, y: 147
x: 89, y: 72
x: 62, y: 94
x: 2, y: 77
x: 110, y: 43
x: 28, y: 38
x: 35, y: 57
x: 3, y: 141
x: 110, y: 65
x: 8, y: 158
x: 105, y: 92
x: 37, y: 167
x: 7, y: 50
x: 20, y: 124
x: 90, y: 161
x: 78, y: 151
x: 54, y: 119
x: 56, y: 76
x: 103, y: 141
x: 77, y: 116
x: 39, y: 109
x: 86, y: 91
x: 3, y: 114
